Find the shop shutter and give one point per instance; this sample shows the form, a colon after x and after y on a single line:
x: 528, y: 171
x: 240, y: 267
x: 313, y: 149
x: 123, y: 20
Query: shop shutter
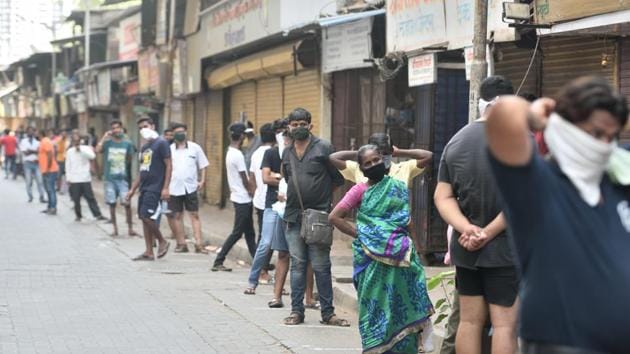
x: 304, y: 90
x: 624, y: 81
x: 268, y: 101
x: 199, y: 114
x: 513, y: 64
x: 243, y: 100
x: 214, y: 146
x: 567, y: 58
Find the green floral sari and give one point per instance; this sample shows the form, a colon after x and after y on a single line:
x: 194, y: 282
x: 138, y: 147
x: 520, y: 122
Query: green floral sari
x: 393, y: 299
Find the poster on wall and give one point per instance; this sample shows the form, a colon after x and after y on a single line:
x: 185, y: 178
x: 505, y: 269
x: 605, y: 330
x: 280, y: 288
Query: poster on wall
x: 129, y: 37
x: 422, y: 70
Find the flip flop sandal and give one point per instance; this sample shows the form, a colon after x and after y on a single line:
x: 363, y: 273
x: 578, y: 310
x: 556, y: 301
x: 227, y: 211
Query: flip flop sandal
x: 294, y: 319
x: 250, y: 291
x: 143, y: 257
x: 335, y: 321
x: 312, y: 306
x: 284, y: 292
x: 164, y: 251
x: 275, y: 304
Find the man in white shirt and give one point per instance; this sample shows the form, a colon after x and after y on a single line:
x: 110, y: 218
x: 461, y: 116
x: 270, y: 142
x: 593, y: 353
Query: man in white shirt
x: 241, y: 195
x: 189, y: 176
x: 78, y: 162
x: 29, y: 146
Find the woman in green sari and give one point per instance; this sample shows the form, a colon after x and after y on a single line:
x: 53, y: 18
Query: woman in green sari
x: 394, y: 306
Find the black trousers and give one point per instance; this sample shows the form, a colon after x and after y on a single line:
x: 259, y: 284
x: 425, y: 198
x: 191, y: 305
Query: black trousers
x: 78, y: 190
x: 243, y: 224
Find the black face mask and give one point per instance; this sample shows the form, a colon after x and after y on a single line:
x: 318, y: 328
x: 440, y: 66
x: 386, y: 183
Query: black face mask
x: 375, y: 173
x: 300, y: 133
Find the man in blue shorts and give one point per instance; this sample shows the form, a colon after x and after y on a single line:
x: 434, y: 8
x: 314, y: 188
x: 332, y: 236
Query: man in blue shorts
x: 153, y: 181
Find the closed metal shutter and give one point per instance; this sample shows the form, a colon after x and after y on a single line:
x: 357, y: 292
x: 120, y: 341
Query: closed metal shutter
x: 268, y: 101
x: 214, y: 142
x: 513, y: 63
x: 567, y: 58
x: 243, y: 101
x: 199, y: 114
x: 304, y: 90
x: 624, y: 81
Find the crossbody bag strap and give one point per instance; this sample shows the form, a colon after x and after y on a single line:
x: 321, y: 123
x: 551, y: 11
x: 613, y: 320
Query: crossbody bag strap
x: 294, y: 179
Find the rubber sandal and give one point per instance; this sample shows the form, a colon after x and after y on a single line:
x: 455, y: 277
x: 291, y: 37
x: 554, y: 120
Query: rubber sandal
x: 143, y: 257
x: 312, y: 306
x: 163, y: 252
x: 250, y: 291
x: 335, y: 321
x: 275, y: 304
x: 285, y: 292
x: 200, y: 249
x: 294, y: 318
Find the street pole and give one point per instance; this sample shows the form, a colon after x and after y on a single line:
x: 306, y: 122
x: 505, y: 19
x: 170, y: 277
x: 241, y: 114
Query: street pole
x: 168, y: 100
x: 83, y: 121
x: 53, y: 73
x: 479, y: 67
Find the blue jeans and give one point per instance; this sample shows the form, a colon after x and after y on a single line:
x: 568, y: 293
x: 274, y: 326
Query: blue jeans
x: 31, y: 170
x: 319, y: 256
x: 50, y: 182
x: 270, y: 222
x: 9, y: 166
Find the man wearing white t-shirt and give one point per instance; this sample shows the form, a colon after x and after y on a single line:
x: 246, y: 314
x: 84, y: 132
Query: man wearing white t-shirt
x: 241, y: 195
x: 189, y: 175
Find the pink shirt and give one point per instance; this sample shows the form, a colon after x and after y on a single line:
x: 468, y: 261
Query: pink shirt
x: 353, y: 197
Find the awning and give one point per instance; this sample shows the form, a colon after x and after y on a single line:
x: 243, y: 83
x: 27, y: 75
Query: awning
x: 107, y: 64
x: 338, y: 20
x: 8, y: 89
x: 80, y: 37
x: 273, y: 62
x: 615, y: 24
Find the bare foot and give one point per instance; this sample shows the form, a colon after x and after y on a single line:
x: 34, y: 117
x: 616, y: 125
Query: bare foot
x: 114, y: 234
x: 133, y: 233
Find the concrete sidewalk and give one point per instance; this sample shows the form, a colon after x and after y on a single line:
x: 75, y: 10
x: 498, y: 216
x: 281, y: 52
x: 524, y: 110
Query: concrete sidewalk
x: 217, y: 224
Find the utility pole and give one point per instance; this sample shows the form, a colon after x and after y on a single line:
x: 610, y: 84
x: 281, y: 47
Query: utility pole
x: 168, y: 100
x: 479, y: 67
x: 84, y: 117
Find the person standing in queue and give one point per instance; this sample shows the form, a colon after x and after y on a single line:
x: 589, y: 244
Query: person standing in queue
x: 153, y: 182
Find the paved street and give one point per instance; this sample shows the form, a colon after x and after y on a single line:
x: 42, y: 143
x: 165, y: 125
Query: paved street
x: 68, y: 287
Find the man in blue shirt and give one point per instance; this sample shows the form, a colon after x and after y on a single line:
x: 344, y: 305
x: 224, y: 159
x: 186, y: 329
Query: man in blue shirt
x: 570, y: 223
x: 153, y: 181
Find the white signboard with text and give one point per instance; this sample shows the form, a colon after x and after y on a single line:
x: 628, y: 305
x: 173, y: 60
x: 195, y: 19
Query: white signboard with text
x: 414, y: 24
x: 422, y: 70
x: 347, y: 46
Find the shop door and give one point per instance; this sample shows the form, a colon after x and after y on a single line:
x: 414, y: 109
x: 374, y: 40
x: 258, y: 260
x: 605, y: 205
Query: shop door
x: 567, y: 58
x: 442, y: 110
x: 268, y: 101
x: 243, y: 102
x: 304, y: 90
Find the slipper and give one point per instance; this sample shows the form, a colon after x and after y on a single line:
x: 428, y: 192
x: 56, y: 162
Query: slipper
x: 335, y: 321
x: 275, y: 304
x: 285, y: 292
x: 163, y: 252
x: 250, y: 291
x: 143, y: 257
x: 294, y: 319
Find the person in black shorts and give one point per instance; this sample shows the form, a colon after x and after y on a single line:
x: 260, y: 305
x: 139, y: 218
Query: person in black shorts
x: 153, y: 181
x: 189, y: 176
x: 467, y: 198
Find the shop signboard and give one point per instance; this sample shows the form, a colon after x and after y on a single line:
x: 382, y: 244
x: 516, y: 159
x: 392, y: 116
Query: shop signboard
x: 422, y: 70
x: 346, y: 46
